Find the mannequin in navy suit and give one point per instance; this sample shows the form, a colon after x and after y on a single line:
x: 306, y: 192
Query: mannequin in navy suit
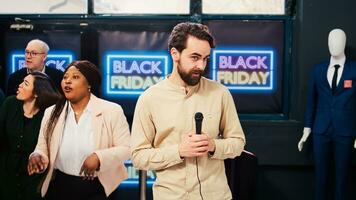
x: 331, y: 116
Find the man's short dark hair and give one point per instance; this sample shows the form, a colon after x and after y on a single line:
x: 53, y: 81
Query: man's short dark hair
x: 181, y: 31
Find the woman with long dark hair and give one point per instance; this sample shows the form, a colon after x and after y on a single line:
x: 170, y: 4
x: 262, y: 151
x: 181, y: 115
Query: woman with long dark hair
x: 83, y: 141
x: 20, y: 120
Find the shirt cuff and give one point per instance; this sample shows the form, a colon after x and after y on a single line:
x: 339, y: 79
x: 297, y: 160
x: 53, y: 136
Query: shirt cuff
x: 217, y: 150
x: 173, y: 154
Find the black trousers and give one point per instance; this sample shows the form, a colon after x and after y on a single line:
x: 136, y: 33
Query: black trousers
x: 68, y: 187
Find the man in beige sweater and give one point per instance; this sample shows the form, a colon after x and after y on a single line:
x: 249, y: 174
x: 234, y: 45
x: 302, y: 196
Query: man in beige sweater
x: 188, y: 165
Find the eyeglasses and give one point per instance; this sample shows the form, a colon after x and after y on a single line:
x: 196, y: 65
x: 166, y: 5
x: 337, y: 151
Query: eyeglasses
x: 32, y: 53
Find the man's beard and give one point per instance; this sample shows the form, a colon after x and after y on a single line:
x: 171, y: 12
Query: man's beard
x: 188, y: 78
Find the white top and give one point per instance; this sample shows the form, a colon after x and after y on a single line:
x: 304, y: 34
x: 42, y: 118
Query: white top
x: 77, y: 142
x: 331, y: 69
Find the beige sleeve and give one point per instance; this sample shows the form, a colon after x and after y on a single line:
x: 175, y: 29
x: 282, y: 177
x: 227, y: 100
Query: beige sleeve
x: 144, y: 155
x: 233, y: 141
x: 120, y: 152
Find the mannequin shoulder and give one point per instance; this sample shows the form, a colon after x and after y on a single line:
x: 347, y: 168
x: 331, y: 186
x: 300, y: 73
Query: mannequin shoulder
x: 317, y: 68
x: 352, y: 63
x: 322, y: 64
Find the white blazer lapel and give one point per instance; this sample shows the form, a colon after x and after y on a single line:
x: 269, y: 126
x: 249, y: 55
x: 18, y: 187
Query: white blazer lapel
x: 58, y: 133
x: 97, y: 120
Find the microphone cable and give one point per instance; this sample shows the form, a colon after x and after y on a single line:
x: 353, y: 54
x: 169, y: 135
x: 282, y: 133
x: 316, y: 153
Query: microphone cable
x: 196, y: 162
x: 198, y: 123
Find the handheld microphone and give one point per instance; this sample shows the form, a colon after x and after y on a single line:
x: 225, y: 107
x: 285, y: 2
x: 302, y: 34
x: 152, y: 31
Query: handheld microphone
x: 198, y: 121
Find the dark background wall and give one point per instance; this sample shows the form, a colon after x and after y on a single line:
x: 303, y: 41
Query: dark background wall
x: 285, y: 173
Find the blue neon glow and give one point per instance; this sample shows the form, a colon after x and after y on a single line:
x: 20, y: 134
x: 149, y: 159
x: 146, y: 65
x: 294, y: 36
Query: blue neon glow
x: 236, y: 52
x: 132, y: 180
x: 129, y: 59
x: 56, y: 58
x: 133, y: 183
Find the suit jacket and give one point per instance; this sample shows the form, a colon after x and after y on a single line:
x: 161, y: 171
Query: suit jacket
x: 325, y: 108
x: 112, y: 143
x: 16, y: 78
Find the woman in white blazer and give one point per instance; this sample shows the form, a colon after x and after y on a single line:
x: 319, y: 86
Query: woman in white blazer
x: 83, y: 140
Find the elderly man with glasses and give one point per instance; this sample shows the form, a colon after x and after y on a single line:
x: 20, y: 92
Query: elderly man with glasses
x: 35, y: 56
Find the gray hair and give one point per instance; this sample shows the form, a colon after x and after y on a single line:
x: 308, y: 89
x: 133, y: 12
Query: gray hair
x: 44, y: 45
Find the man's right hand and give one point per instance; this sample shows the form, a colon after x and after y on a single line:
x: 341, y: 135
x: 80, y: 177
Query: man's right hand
x: 193, y: 145
x: 36, y: 164
x: 306, y: 133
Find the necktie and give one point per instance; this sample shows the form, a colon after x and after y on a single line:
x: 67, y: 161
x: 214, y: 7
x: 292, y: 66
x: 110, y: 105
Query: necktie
x: 333, y: 83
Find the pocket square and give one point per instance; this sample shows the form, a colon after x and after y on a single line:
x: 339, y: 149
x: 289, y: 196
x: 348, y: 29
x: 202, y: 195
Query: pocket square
x: 347, y: 83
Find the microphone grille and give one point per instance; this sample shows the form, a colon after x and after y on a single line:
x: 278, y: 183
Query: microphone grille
x: 198, y: 116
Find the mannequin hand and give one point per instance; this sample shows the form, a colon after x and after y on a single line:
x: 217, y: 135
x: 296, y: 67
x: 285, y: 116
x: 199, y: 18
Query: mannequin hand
x: 306, y: 133
x: 355, y: 144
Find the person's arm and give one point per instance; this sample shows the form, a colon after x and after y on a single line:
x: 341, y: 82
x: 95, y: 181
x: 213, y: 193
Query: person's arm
x: 309, y: 112
x: 39, y: 159
x: 233, y: 141
x: 120, y: 150
x: 144, y: 155
x: 311, y: 102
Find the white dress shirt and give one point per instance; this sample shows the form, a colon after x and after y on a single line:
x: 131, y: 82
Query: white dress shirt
x: 331, y: 69
x: 77, y: 142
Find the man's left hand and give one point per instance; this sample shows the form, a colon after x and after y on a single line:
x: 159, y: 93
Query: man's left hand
x: 211, y: 145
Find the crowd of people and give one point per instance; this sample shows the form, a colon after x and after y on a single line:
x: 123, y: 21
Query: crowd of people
x: 60, y: 140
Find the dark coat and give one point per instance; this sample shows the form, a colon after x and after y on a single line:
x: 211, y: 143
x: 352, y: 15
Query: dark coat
x: 18, y: 138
